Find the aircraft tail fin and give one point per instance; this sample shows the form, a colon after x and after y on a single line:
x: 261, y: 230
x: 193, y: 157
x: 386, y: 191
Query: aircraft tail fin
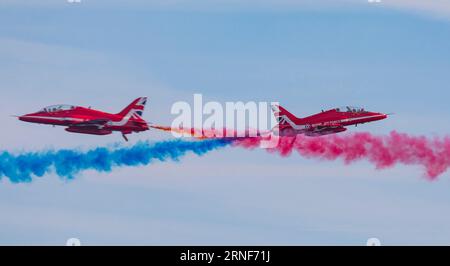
x: 283, y: 116
x: 135, y: 109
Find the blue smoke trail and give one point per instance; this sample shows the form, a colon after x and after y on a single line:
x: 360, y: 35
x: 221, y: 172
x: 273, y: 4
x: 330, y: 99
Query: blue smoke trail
x: 67, y: 163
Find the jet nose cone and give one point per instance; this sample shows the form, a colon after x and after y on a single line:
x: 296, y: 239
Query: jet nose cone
x: 25, y: 118
x: 384, y: 116
x: 387, y: 115
x: 379, y: 116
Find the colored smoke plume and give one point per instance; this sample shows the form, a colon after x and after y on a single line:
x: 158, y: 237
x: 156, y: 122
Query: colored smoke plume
x: 433, y: 154
x: 67, y: 163
x: 383, y: 151
x: 212, y: 133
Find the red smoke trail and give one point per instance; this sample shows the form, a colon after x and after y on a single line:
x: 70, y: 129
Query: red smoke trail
x: 193, y: 132
x: 211, y: 133
x: 383, y: 151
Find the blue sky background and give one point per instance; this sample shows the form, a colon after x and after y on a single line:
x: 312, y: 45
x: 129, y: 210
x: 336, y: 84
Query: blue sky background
x: 310, y: 55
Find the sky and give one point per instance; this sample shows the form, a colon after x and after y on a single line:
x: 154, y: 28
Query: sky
x: 391, y: 56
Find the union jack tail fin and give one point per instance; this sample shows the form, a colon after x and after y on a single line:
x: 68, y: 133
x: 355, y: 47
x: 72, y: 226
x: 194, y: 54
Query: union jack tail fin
x: 283, y: 116
x: 134, y: 109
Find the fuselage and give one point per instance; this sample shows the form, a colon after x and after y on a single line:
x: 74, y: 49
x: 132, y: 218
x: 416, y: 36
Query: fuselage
x: 327, y: 122
x: 79, y: 119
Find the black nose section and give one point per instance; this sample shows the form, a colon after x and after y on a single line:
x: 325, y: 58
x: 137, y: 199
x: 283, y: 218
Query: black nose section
x: 26, y: 118
x: 23, y: 118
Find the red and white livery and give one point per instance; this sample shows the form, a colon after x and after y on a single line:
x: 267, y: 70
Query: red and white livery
x: 83, y: 120
x: 324, y: 123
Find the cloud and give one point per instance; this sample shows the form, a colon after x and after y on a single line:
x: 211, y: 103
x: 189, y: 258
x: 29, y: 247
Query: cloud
x: 438, y: 8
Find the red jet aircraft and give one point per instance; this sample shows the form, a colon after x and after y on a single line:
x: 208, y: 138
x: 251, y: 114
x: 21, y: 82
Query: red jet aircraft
x: 324, y: 123
x: 89, y: 121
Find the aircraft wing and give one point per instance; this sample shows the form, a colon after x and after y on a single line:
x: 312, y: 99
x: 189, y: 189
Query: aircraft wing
x: 326, y: 129
x: 95, y: 123
x: 328, y: 126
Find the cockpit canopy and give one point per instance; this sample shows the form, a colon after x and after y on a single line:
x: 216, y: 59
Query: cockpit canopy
x: 57, y: 108
x: 351, y: 109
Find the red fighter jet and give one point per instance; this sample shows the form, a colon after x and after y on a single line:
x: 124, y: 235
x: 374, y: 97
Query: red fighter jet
x: 324, y: 123
x: 89, y: 121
